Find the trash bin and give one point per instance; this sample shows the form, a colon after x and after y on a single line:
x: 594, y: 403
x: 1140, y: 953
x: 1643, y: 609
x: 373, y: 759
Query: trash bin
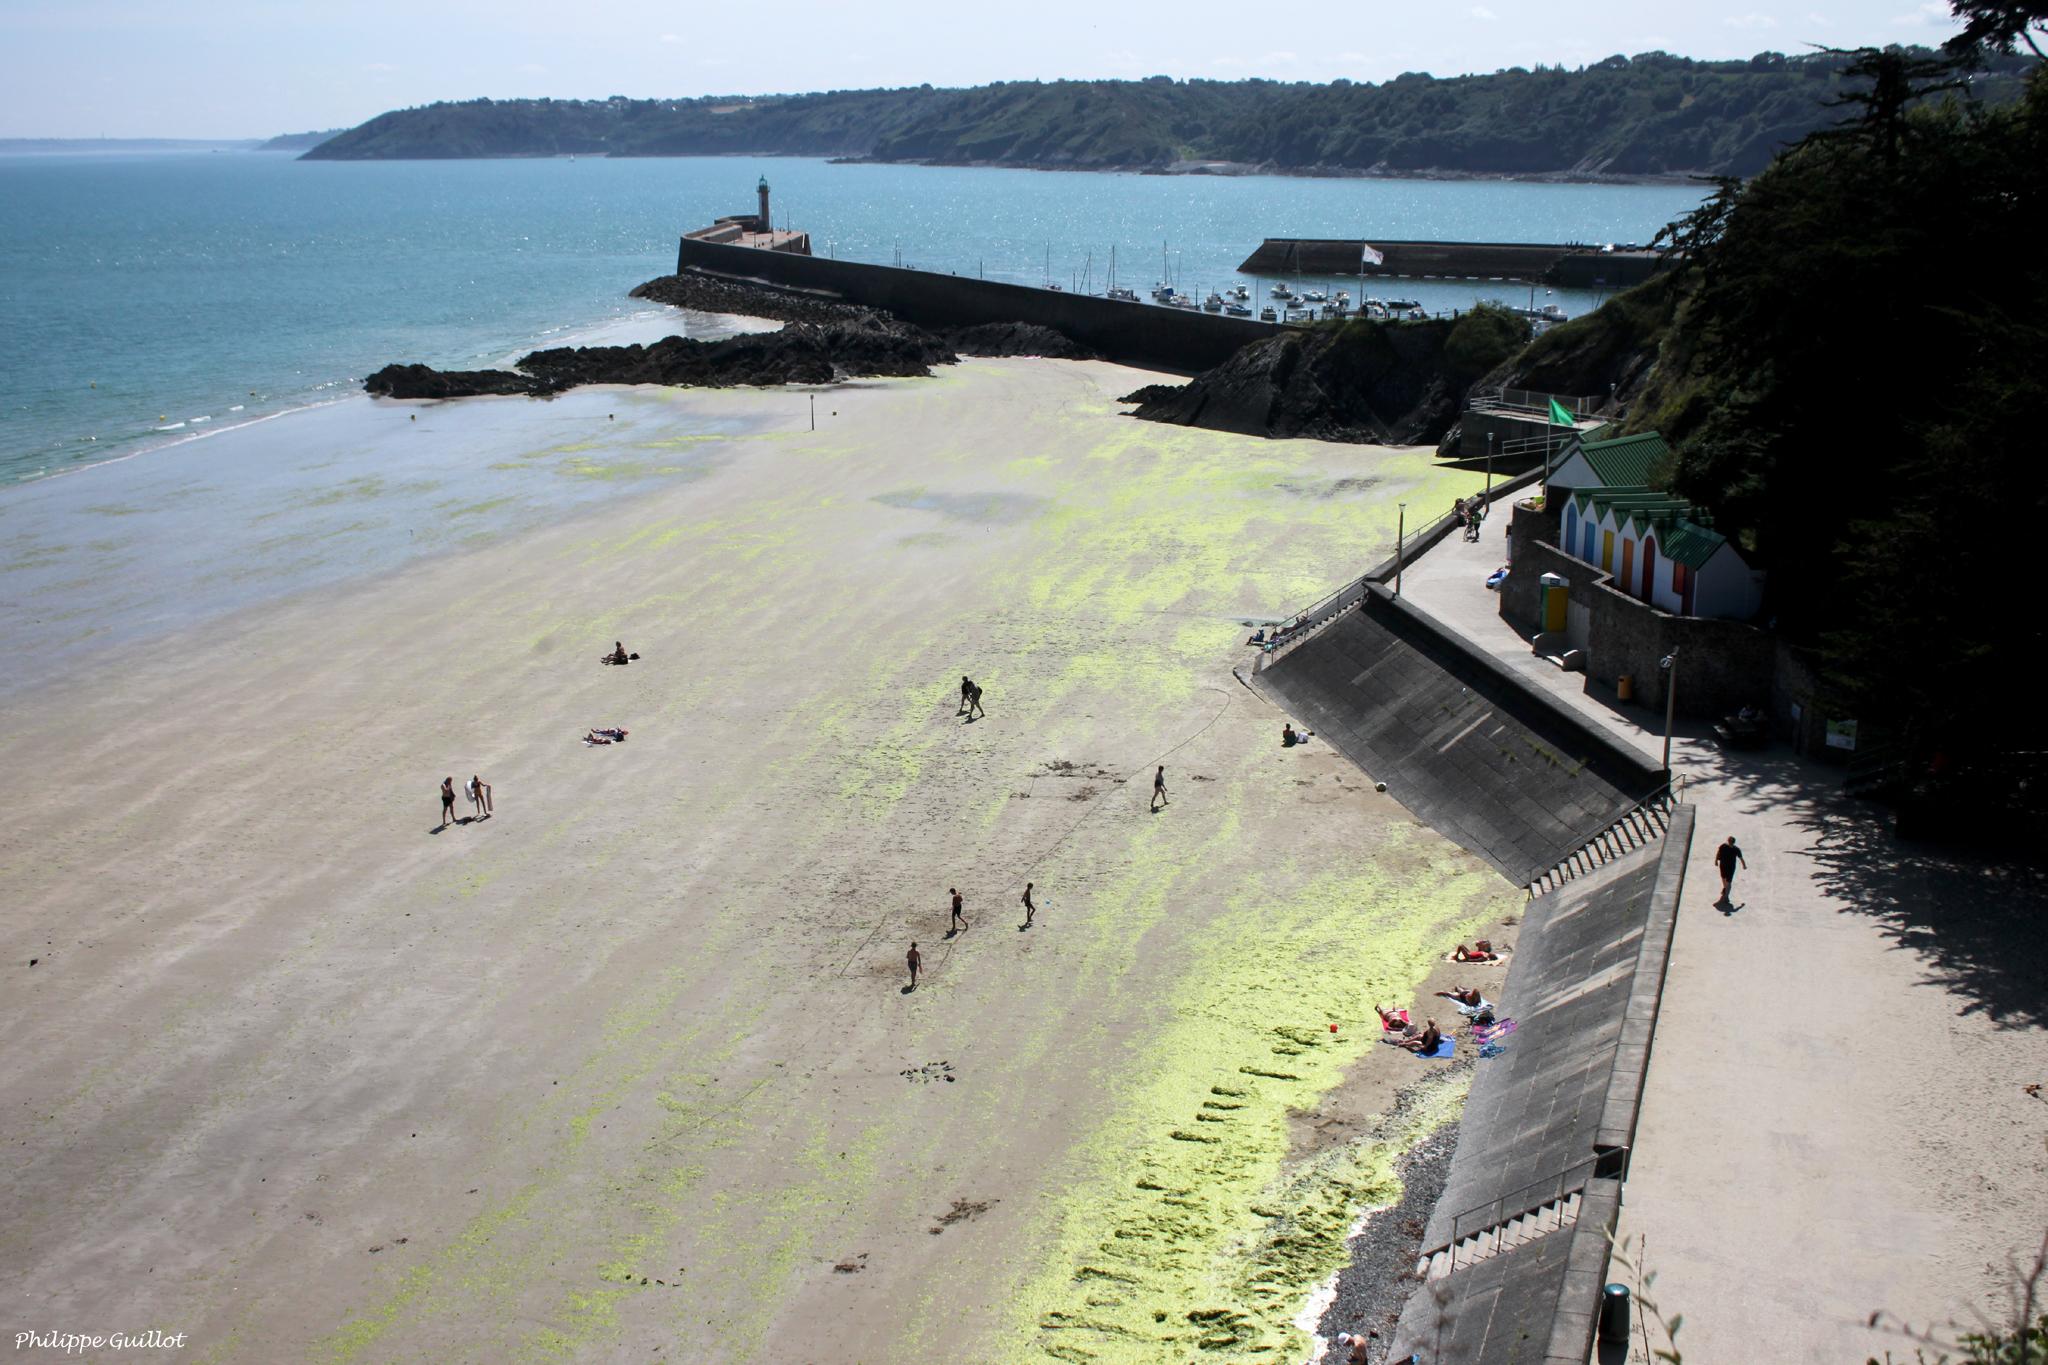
x: 1614, y: 1314
x: 1625, y: 687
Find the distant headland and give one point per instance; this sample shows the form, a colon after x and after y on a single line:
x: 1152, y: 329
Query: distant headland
x: 1643, y: 117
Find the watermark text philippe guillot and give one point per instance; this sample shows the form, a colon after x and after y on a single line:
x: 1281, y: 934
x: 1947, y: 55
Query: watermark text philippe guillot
x: 77, y: 1343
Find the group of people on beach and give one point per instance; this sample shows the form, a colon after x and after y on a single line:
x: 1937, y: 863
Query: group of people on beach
x: 476, y: 789
x: 479, y: 791
x: 915, y: 959
x: 1469, y: 1001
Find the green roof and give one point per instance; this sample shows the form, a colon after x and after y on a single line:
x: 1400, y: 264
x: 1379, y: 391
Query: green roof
x: 1690, y: 543
x: 1626, y: 461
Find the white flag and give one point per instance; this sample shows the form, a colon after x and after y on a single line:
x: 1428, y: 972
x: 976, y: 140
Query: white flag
x: 1368, y: 256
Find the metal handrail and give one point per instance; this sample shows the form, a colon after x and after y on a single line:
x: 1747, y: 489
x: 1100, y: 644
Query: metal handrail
x: 1519, y: 1203
x: 1634, y: 828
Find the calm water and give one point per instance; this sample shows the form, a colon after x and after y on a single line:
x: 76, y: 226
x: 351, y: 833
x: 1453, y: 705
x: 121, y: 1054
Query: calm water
x: 151, y: 297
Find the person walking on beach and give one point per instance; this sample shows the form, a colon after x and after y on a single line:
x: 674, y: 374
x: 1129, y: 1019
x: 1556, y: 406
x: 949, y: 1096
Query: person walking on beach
x: 1029, y: 908
x: 974, y: 703
x: 447, y: 801
x: 480, y: 796
x: 966, y: 693
x: 1159, y: 787
x: 915, y: 960
x: 1727, y: 857
x: 959, y: 920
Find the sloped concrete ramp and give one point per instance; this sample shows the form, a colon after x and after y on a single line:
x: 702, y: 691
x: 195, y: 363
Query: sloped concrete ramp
x: 1475, y: 752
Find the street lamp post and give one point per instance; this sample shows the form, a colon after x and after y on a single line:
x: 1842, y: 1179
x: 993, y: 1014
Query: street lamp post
x: 1669, y: 663
x: 1489, y: 470
x: 1400, y: 531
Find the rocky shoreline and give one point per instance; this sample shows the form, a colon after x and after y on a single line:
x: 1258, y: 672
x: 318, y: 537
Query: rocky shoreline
x: 823, y: 340
x: 1377, y: 1280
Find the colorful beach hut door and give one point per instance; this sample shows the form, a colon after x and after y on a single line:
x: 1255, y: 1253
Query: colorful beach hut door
x: 1628, y: 564
x: 1649, y: 563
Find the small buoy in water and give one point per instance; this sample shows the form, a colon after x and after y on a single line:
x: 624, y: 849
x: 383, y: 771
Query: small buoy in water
x: 93, y: 385
x: 607, y: 417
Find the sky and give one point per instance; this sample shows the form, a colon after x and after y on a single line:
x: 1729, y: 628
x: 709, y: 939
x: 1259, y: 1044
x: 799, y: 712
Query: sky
x: 253, y: 68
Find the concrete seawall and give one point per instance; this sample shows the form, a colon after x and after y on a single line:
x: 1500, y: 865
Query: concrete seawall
x: 1578, y: 267
x: 1474, y: 751
x: 1144, y: 335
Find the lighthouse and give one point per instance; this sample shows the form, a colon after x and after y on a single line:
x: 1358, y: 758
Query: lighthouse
x: 765, y: 223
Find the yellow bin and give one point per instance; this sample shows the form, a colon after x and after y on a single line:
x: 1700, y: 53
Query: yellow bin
x: 1625, y: 687
x: 1555, y: 590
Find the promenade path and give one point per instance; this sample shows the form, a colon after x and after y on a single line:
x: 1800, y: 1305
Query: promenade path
x: 1834, y: 1122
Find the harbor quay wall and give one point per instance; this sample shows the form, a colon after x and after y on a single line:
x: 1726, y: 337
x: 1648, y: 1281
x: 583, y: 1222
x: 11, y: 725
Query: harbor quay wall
x: 1543, y: 263
x: 1144, y: 335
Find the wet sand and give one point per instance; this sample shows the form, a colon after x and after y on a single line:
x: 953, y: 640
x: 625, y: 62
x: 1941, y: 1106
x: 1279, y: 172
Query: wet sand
x: 628, y: 1069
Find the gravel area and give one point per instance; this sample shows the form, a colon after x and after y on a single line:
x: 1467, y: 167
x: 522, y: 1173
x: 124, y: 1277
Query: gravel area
x: 1373, y: 1288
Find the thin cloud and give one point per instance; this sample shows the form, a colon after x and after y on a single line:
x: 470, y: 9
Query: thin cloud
x: 1482, y: 12
x: 1929, y: 15
x: 1750, y: 20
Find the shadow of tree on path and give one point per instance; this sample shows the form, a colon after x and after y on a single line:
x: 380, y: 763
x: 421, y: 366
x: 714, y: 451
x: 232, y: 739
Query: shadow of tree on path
x: 1977, y: 919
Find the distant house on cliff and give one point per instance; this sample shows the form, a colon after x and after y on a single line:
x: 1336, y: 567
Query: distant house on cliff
x: 1655, y: 547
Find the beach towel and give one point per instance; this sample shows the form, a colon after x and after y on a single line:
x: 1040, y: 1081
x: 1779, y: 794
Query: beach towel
x: 1443, y: 1049
x: 1386, y: 1027
x: 1492, y: 1049
x: 1469, y: 1010
x: 1500, y: 1030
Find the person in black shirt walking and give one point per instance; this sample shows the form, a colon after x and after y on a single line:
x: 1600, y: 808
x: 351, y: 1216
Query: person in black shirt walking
x: 1727, y: 857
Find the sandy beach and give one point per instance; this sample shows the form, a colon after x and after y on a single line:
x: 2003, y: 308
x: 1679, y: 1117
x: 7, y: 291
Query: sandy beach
x: 628, y: 1070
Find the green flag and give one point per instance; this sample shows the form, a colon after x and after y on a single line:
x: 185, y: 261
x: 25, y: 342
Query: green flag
x: 1560, y: 416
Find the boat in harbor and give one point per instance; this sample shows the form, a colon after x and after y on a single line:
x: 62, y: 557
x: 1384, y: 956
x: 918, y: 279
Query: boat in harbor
x: 1315, y: 296
x: 1122, y: 295
x: 1281, y: 291
x: 1239, y: 292
x: 1238, y: 310
x: 1403, y: 305
x: 1267, y: 314
x: 1214, y: 303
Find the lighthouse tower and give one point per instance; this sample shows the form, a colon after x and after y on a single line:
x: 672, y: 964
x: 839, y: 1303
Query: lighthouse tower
x: 765, y: 224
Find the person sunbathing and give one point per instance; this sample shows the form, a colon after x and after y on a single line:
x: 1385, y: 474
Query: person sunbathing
x: 606, y: 736
x: 1424, y: 1042
x: 1394, y: 1021
x: 1461, y: 995
x: 1465, y: 954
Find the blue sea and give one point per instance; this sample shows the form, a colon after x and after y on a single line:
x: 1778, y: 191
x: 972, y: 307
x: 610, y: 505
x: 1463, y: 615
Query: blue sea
x: 150, y: 298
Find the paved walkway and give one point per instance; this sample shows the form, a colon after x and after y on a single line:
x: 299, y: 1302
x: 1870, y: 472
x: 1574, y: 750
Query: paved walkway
x: 1834, y: 1121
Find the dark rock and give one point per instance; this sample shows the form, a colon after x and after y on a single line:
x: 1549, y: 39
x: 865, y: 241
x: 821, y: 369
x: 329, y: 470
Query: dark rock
x: 423, y: 381
x: 865, y: 345
x: 1399, y: 383
x: 1016, y: 338
x: 704, y: 293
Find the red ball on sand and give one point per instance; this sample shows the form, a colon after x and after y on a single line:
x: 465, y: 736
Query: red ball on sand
x: 1333, y: 1028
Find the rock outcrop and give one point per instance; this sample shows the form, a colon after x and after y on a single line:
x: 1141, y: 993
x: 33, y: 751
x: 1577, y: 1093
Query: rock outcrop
x: 1382, y: 383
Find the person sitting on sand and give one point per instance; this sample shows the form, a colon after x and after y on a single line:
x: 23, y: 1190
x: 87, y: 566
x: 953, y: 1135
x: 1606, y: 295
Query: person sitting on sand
x: 1289, y: 737
x: 1258, y: 637
x: 618, y: 654
x: 1426, y: 1041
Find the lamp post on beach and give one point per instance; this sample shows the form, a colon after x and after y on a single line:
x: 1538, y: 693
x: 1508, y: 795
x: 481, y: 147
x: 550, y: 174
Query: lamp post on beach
x: 1669, y: 663
x: 1489, y: 469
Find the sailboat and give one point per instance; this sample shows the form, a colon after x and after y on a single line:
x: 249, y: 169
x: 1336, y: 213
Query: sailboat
x: 1119, y: 294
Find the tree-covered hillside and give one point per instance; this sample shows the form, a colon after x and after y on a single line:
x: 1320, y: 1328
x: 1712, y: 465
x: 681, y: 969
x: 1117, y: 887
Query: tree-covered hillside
x: 1653, y: 114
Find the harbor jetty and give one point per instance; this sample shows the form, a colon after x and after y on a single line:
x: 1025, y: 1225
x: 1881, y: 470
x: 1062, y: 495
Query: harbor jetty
x: 1577, y: 265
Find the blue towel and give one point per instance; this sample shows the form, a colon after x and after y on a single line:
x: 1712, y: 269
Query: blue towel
x: 1443, y: 1049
